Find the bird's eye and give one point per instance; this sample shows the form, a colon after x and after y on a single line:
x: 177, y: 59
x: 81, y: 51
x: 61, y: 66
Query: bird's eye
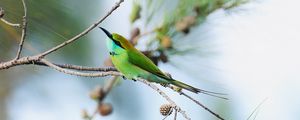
x: 118, y: 43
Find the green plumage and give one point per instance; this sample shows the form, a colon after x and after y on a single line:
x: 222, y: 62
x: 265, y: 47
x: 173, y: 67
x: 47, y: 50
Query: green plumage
x: 132, y: 64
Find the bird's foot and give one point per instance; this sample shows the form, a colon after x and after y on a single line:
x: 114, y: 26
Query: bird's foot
x: 177, y: 89
x: 164, y: 84
x: 124, y: 77
x: 169, y: 75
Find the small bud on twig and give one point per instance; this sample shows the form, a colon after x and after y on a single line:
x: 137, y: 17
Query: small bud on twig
x: 1, y: 12
x: 97, y: 93
x: 166, y: 42
x: 185, y: 24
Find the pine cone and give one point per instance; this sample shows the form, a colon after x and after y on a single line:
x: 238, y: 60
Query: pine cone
x: 166, y: 109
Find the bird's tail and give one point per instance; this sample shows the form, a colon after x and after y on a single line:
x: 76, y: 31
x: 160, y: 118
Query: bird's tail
x: 197, y: 90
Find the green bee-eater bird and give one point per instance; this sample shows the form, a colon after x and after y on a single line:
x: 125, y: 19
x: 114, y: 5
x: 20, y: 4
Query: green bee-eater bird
x: 133, y: 64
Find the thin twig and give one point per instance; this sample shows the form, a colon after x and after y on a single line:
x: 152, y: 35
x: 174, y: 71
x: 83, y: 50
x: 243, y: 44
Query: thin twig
x: 256, y: 110
x: 108, y: 86
x: 84, y: 32
x: 24, y: 29
x: 196, y: 101
x: 165, y: 96
x: 175, y: 115
x: 203, y: 106
x: 96, y: 74
x: 9, y: 23
x: 5, y: 21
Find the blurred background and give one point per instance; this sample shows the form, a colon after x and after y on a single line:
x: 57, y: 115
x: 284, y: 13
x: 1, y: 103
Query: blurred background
x: 248, y: 49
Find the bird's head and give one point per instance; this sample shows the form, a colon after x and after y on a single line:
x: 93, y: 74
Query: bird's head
x: 117, y: 40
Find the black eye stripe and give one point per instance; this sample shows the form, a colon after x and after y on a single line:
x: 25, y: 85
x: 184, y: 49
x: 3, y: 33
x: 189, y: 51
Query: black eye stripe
x: 118, y: 43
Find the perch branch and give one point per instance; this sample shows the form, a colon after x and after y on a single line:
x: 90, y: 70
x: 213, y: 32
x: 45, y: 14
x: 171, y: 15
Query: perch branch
x: 24, y: 29
x: 34, y: 60
x: 114, y: 73
x: 66, y: 71
x: 76, y: 67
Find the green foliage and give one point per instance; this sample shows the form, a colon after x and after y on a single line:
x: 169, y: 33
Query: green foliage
x: 135, y: 11
x: 175, y: 18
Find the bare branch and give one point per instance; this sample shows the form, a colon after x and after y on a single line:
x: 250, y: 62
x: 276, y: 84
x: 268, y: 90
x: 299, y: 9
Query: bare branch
x: 21, y: 61
x: 175, y: 115
x: 77, y: 67
x: 34, y: 60
x: 96, y: 74
x: 84, y: 32
x: 84, y: 68
x: 176, y: 107
x: 5, y: 21
x: 196, y: 101
x: 9, y: 23
x: 24, y: 29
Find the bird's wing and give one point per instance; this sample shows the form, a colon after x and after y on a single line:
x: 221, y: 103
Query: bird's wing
x: 140, y: 60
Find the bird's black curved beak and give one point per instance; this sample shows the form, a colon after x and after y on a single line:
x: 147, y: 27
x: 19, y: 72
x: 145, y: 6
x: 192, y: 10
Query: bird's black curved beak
x: 106, y: 32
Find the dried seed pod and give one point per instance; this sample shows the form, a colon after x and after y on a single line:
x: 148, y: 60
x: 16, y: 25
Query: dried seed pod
x: 182, y: 26
x: 166, y: 42
x: 185, y: 23
x: 190, y: 20
x: 97, y: 93
x: 105, y: 109
x: 166, y: 109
